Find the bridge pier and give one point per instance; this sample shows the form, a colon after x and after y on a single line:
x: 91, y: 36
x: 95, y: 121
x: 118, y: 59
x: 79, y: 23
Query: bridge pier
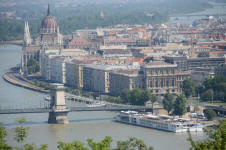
x: 59, y: 111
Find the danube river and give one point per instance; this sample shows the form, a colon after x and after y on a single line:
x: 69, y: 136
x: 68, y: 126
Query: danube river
x: 217, y: 9
x: 83, y: 125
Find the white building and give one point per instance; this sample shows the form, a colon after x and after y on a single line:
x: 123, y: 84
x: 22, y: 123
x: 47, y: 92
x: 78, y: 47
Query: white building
x: 57, y: 70
x: 47, y: 56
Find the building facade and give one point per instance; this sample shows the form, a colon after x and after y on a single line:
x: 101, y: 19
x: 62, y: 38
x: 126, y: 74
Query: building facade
x: 161, y: 77
x: 58, y: 70
x: 184, y: 63
x: 124, y: 79
x: 74, y: 74
x: 220, y: 70
x: 96, y: 78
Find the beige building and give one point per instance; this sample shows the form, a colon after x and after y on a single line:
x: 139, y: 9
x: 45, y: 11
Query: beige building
x: 161, y: 77
x: 96, y: 77
x: 157, y: 77
x: 74, y: 72
x: 200, y: 74
x: 124, y: 79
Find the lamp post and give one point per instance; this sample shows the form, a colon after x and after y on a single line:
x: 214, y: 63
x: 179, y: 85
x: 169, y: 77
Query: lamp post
x: 212, y: 98
x: 198, y: 98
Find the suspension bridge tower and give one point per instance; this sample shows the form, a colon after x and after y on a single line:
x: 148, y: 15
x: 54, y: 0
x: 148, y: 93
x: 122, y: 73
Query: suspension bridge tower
x: 59, y: 111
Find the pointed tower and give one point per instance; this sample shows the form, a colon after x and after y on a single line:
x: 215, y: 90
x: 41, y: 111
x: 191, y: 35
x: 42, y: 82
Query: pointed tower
x: 27, y: 36
x: 48, y: 11
x: 59, y: 36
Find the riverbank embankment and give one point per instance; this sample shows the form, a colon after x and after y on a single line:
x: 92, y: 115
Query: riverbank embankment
x: 18, y: 80
x: 14, y: 42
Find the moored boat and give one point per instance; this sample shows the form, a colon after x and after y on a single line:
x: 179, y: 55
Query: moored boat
x: 98, y: 104
x: 163, y: 122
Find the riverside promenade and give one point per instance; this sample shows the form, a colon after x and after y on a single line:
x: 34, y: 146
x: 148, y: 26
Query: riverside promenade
x: 18, y: 80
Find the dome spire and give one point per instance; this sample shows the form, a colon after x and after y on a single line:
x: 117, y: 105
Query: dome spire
x: 48, y: 12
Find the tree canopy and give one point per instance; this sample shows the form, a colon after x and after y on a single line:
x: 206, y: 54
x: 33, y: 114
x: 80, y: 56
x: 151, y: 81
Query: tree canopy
x: 33, y: 66
x: 168, y: 102
x: 137, y: 97
x: 180, y: 105
x: 188, y: 87
x: 213, y: 88
x: 209, y: 113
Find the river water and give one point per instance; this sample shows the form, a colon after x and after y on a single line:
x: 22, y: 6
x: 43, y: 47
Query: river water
x: 218, y: 9
x: 83, y: 125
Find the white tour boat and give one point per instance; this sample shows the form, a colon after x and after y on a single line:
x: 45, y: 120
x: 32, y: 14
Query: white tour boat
x: 163, y: 122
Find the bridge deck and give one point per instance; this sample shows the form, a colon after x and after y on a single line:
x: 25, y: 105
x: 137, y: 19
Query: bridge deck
x: 73, y: 109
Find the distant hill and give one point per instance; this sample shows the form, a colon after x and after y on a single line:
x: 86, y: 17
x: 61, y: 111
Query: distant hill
x: 78, y: 14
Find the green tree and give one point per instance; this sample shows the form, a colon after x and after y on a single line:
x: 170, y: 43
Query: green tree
x: 135, y: 97
x: 76, y: 145
x: 208, y: 95
x: 214, y: 87
x: 77, y: 91
x: 145, y: 96
x: 221, y: 91
x: 188, y: 87
x: 216, y: 138
x: 34, y: 147
x: 3, y: 134
x: 21, y: 131
x: 209, y: 113
x: 168, y: 102
x: 180, y: 105
x: 132, y: 144
x: 105, y: 144
x: 153, y: 98
x: 33, y: 66
x: 125, y: 96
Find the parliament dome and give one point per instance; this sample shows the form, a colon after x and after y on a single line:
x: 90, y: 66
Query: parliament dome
x: 49, y: 23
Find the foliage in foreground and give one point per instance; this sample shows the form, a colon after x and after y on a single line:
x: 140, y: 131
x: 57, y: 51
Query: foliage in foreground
x: 216, y: 139
x: 105, y: 144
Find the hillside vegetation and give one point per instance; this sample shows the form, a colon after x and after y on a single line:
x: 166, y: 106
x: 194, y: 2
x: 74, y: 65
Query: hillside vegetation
x: 73, y: 15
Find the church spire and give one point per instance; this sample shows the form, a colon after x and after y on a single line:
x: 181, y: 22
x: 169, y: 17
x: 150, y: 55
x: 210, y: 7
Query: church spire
x: 48, y: 12
x: 27, y: 36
